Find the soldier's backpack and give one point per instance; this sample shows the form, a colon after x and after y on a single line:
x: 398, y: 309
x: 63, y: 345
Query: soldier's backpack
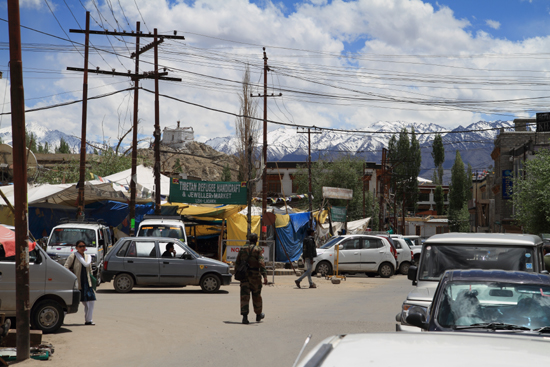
x: 241, y: 272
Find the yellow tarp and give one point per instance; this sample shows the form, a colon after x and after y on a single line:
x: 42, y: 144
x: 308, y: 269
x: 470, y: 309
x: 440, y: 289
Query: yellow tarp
x: 281, y: 220
x: 6, y: 216
x: 205, y: 212
x: 237, y: 226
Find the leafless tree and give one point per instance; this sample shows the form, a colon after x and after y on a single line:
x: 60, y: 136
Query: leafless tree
x: 246, y: 127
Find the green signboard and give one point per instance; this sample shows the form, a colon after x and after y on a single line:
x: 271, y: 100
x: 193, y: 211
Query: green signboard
x: 207, y: 192
x: 338, y: 213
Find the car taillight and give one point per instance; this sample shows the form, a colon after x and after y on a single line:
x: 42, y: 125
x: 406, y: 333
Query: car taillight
x: 412, y: 255
x: 105, y: 264
x: 393, y: 252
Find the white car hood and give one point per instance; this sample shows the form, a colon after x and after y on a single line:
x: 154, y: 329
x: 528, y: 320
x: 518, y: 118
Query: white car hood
x: 424, y: 291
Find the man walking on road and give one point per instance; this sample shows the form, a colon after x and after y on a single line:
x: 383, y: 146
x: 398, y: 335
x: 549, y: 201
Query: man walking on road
x: 252, y: 254
x: 310, y: 252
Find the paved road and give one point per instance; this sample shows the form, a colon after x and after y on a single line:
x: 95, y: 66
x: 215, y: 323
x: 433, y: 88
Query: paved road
x: 175, y: 327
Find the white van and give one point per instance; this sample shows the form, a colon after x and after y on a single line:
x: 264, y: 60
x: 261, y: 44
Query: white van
x: 162, y: 226
x: 97, y: 237
x: 53, y: 290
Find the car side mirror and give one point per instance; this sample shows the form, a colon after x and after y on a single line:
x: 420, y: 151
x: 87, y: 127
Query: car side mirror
x: 187, y: 256
x: 411, y: 275
x: 417, y: 320
x: 340, y: 247
x: 544, y: 272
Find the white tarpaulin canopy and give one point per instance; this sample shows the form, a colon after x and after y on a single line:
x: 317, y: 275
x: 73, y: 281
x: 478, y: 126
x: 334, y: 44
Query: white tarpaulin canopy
x: 145, y: 180
x: 357, y: 226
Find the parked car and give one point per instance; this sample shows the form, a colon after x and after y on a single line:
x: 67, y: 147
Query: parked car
x: 357, y: 253
x: 53, y: 290
x: 162, y: 226
x: 414, y: 244
x: 431, y: 350
x: 489, y: 301
x: 64, y: 237
x: 499, y: 251
x: 138, y: 262
x: 404, y: 255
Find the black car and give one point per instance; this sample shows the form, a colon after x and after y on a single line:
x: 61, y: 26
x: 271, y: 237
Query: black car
x: 489, y: 300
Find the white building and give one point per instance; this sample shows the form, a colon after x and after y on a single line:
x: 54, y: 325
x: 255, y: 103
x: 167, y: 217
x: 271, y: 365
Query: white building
x: 177, y: 138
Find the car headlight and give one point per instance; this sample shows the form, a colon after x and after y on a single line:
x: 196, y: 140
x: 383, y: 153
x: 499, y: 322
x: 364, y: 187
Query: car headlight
x: 75, y: 285
x: 409, y: 309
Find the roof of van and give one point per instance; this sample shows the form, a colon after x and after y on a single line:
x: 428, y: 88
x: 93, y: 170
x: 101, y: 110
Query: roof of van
x: 161, y: 221
x: 85, y: 225
x: 502, y: 239
x: 497, y: 275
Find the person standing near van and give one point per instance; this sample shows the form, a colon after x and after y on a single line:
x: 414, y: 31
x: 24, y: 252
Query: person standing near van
x: 310, y: 252
x: 81, y: 265
x: 252, y: 254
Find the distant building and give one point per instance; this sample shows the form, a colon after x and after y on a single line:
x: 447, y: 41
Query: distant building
x: 426, y: 198
x: 482, y: 204
x: 512, y: 150
x: 281, y: 178
x: 177, y: 138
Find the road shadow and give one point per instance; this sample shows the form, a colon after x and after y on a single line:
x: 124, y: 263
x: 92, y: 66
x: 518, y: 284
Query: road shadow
x: 240, y: 323
x: 63, y: 329
x: 163, y: 291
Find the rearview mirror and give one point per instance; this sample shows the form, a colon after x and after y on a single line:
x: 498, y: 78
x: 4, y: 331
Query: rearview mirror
x: 411, y: 275
x: 417, y: 320
x: 340, y: 247
x: 187, y: 257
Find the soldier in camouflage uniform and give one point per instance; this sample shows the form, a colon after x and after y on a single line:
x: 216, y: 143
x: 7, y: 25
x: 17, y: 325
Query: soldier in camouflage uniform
x: 252, y: 253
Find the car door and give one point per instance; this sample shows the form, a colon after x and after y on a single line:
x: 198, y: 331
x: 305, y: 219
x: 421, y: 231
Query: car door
x: 178, y: 270
x: 142, y: 261
x: 37, y: 279
x: 372, y: 254
x: 350, y: 258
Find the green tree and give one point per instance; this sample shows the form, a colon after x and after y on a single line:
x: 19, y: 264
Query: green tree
x: 63, y: 147
x: 346, y: 172
x: 177, y: 166
x: 31, y: 142
x: 438, y: 155
x: 468, y: 183
x: 226, y: 173
x: 530, y: 195
x: 457, y: 195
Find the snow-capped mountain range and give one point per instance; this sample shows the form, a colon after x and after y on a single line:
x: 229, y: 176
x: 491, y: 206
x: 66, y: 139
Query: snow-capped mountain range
x: 286, y: 144
x: 475, y: 145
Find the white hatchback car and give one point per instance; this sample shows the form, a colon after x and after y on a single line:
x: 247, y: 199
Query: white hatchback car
x: 404, y: 255
x: 358, y: 253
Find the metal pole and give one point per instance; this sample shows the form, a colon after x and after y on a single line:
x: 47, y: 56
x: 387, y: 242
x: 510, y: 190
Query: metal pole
x: 309, y: 175
x: 22, y: 312
x: 264, y: 175
x: 157, y: 130
x: 134, y: 142
x: 82, y: 179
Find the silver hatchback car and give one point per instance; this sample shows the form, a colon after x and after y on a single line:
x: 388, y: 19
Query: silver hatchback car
x: 147, y: 262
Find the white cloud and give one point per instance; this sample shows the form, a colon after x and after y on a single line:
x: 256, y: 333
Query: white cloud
x: 493, y: 23
x: 409, y: 52
x: 36, y: 4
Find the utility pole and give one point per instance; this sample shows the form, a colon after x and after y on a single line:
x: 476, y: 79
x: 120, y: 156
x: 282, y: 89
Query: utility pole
x: 264, y: 150
x: 81, y: 180
x: 22, y: 310
x: 135, y: 77
x: 310, y: 191
x: 363, y: 179
x: 156, y: 134
x: 249, y: 189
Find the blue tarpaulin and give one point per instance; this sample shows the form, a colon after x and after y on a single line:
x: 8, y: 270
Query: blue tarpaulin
x: 113, y: 213
x: 291, y: 237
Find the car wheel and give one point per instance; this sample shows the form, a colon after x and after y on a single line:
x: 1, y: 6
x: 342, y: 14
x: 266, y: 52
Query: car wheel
x: 324, y: 268
x: 47, y: 316
x: 124, y: 283
x: 210, y: 283
x: 385, y: 270
x: 404, y: 268
x: 370, y: 275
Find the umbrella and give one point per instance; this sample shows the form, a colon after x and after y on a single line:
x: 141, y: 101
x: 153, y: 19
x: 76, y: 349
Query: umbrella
x: 7, y: 239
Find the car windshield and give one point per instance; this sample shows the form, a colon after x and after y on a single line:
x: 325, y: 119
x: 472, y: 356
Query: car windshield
x: 438, y: 258
x: 161, y: 230
x: 463, y: 304
x: 69, y: 237
x: 409, y: 242
x: 332, y: 242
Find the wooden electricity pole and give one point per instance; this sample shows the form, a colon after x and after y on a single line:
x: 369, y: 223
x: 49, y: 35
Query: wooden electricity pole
x: 22, y: 309
x: 310, y: 191
x: 264, y: 150
x: 136, y: 77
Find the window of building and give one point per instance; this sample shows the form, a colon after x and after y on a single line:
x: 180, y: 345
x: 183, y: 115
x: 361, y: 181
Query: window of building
x: 273, y: 183
x: 424, y: 196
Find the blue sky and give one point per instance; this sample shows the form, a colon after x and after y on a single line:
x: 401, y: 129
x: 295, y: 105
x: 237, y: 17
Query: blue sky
x: 345, y: 64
